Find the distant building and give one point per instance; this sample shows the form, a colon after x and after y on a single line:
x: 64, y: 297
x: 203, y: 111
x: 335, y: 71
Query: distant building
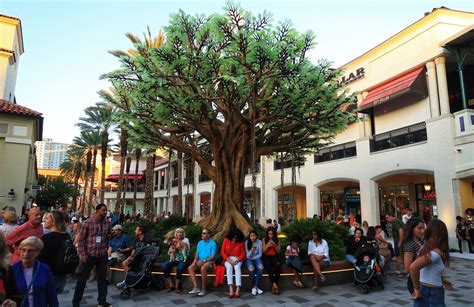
x: 50, y: 154
x: 20, y: 127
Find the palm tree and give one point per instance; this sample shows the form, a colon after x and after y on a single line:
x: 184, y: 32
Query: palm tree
x: 118, y: 97
x: 73, y: 169
x: 149, y: 171
x: 99, y: 118
x: 89, y: 141
x: 138, y: 154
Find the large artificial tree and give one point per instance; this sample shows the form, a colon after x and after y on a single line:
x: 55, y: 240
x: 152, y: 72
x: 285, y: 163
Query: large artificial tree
x: 237, y: 86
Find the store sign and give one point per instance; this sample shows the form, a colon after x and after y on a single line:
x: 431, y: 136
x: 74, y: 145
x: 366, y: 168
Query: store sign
x: 353, y: 76
x: 429, y: 195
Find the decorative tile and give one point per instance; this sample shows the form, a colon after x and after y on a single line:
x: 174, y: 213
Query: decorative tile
x: 347, y: 295
x: 140, y: 299
x: 298, y: 299
x: 324, y: 305
x: 179, y: 302
x: 366, y: 303
x: 399, y: 302
x: 463, y: 301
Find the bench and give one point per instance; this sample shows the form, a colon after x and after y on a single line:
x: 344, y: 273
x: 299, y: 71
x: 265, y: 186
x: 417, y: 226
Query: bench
x: 338, y: 272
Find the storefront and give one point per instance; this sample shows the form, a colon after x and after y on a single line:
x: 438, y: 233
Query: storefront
x: 394, y: 199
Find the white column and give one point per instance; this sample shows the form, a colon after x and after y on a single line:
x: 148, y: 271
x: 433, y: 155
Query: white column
x: 433, y: 89
x: 362, y: 130
x: 369, y: 201
x: 442, y: 85
x: 311, y: 201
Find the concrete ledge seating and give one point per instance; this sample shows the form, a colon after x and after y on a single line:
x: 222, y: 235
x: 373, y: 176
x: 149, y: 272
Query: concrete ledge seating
x: 338, y: 272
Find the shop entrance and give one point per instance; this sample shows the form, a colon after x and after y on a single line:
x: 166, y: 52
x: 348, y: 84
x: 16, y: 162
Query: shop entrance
x: 413, y: 190
x: 340, y: 201
x: 291, y: 204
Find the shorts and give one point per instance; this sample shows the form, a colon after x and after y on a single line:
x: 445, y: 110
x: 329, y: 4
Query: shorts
x: 396, y: 249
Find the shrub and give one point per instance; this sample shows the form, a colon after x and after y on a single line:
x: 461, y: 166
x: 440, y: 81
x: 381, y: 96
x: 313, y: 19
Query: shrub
x: 334, y: 234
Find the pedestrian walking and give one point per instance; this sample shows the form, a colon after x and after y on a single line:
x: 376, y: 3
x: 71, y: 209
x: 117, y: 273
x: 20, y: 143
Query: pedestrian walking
x: 92, y: 248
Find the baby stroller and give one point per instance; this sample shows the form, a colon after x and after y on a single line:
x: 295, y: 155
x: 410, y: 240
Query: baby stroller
x: 367, y: 270
x: 139, y: 275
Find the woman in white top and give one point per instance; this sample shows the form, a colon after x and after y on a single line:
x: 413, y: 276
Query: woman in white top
x: 426, y: 270
x: 318, y: 251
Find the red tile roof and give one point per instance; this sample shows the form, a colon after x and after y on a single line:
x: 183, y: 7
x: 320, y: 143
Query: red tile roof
x: 16, y: 109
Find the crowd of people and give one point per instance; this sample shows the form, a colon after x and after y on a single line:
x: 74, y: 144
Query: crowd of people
x: 33, y: 272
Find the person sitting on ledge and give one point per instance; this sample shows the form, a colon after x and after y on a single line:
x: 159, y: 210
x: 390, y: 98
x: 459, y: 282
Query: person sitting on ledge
x: 179, y: 257
x: 205, y: 254
x: 353, y: 244
x: 318, y: 251
x: 233, y: 253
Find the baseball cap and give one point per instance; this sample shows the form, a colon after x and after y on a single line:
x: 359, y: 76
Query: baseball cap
x: 119, y: 227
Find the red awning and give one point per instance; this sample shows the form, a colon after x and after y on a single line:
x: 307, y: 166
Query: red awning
x: 115, y: 177
x: 391, y: 89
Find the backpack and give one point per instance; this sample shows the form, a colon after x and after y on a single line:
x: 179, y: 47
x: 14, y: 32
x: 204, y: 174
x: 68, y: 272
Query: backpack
x: 71, y: 258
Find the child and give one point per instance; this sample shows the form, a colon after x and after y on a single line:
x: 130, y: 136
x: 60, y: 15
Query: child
x: 366, y: 265
x: 293, y: 260
x: 461, y: 234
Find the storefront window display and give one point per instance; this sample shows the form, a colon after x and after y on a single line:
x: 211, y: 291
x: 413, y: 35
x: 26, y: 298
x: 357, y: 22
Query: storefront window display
x: 332, y: 205
x: 394, y: 199
x: 426, y: 201
x: 286, y: 209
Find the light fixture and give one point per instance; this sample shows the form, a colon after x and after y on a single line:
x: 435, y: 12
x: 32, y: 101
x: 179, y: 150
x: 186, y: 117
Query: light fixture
x: 427, y: 186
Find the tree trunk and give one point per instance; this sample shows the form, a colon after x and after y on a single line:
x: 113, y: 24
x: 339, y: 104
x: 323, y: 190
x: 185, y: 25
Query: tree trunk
x: 76, y: 191
x: 127, y: 173
x: 86, y: 181
x: 91, y: 189
x: 103, y: 156
x: 138, y: 153
x: 123, y: 156
x: 227, y: 202
x: 179, y: 167
x: 149, y: 206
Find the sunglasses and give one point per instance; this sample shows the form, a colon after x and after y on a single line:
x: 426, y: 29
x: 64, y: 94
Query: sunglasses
x: 204, y: 233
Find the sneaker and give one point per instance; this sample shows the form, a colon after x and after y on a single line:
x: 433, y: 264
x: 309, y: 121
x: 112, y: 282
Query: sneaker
x: 194, y: 291
x: 259, y: 291
x: 121, y: 285
x: 105, y: 304
x: 202, y: 293
x: 322, y: 278
x: 254, y: 291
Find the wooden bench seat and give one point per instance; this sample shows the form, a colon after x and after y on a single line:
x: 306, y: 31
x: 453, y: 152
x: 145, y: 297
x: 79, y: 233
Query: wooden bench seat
x: 338, y: 272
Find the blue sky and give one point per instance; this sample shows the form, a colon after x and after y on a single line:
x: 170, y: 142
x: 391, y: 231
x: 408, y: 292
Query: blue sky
x: 66, y: 41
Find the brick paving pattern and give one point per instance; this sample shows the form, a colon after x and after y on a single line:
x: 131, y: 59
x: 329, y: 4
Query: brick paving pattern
x: 395, y: 294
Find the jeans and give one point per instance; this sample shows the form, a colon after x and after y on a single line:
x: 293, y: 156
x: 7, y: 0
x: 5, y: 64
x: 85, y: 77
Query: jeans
x: 255, y: 274
x: 273, y: 266
x: 100, y: 264
x: 351, y: 259
x: 180, y: 267
x: 60, y: 282
x: 430, y: 297
x: 238, y: 272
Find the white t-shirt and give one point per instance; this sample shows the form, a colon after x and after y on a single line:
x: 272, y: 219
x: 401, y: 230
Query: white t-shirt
x: 28, y: 273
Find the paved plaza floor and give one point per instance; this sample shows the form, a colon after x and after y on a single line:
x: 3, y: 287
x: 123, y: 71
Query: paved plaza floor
x: 460, y: 273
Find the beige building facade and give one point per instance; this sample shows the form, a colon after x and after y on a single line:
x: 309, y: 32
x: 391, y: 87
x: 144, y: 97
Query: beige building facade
x: 20, y: 127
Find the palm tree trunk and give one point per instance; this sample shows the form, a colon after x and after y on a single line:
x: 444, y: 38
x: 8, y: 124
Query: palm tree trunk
x: 180, y: 183
x: 91, y: 188
x: 123, y: 156
x: 138, y: 153
x: 127, y: 174
x: 149, y: 206
x: 74, y: 196
x: 103, y: 155
x: 86, y: 181
x: 168, y: 180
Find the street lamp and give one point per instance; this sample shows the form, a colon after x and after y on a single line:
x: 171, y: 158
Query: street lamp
x: 427, y: 186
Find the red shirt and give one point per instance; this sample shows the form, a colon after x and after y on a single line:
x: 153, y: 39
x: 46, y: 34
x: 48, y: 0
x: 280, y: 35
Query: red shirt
x: 22, y: 232
x: 230, y: 248
x: 271, y: 250
x: 94, y: 237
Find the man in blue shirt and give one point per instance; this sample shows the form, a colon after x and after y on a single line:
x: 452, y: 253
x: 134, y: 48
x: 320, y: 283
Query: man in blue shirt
x: 204, y: 259
x: 117, y: 244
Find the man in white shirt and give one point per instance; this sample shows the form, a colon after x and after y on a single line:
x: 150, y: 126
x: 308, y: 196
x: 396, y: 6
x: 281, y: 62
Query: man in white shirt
x: 406, y: 217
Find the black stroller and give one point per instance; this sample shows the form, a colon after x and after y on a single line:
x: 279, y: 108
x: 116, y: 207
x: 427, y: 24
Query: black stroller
x: 139, y: 275
x: 367, y: 270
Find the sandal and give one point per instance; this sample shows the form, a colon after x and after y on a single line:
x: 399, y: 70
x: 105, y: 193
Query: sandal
x: 300, y: 284
x: 315, y: 288
x: 170, y: 289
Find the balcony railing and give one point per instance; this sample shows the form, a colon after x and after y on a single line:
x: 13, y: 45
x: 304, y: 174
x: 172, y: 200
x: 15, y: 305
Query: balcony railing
x: 129, y: 189
x: 203, y: 178
x: 336, y: 152
x: 399, y: 137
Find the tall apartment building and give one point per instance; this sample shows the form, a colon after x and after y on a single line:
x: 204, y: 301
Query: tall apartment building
x: 50, y: 154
